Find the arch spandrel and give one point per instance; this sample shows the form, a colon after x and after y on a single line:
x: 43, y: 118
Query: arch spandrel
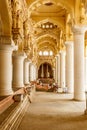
x: 4, y: 13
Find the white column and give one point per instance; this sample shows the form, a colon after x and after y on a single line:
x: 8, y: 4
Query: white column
x: 69, y: 66
x: 18, y: 70
x: 62, y: 69
x: 58, y: 69
x: 26, y: 71
x: 35, y: 72
x: 31, y: 71
x: 79, y: 87
x: 54, y: 73
x: 6, y: 70
x: 86, y: 74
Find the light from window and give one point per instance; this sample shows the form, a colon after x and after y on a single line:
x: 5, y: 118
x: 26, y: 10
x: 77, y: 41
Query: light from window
x: 45, y: 53
x: 51, y: 53
x: 40, y: 53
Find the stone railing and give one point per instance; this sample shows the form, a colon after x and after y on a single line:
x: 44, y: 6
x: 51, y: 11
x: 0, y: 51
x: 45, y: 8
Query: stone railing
x: 24, y: 97
x: 5, y: 103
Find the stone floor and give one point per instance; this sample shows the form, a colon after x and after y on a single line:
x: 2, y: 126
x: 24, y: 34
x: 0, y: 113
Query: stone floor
x: 53, y: 111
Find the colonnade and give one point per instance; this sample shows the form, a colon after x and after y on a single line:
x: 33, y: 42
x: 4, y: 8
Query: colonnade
x: 15, y: 70
x: 71, y: 68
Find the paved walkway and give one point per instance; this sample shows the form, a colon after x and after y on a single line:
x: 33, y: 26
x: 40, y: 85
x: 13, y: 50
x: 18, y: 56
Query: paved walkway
x: 52, y: 111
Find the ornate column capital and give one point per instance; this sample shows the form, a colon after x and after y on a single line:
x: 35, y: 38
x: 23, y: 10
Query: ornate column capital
x: 62, y: 52
x: 79, y: 29
x: 21, y: 55
x: 68, y: 42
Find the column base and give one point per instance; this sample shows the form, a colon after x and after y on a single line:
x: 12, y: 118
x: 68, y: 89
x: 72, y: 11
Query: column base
x: 15, y: 87
x: 79, y: 96
x: 26, y: 84
x: 5, y: 92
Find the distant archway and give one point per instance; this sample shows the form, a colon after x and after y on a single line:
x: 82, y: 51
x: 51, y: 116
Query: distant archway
x: 45, y: 71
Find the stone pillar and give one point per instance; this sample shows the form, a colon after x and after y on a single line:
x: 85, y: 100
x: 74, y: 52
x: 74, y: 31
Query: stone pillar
x: 18, y: 70
x: 6, y: 70
x: 58, y: 70
x: 54, y: 73
x: 69, y: 66
x: 35, y: 68
x: 26, y: 71
x: 62, y: 69
x: 86, y: 74
x: 79, y: 87
x: 31, y: 72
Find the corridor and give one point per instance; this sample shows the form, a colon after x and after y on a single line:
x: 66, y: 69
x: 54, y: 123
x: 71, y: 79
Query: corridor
x: 53, y: 111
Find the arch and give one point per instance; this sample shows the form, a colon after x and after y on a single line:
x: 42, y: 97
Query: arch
x: 46, y: 35
x: 61, y: 3
x: 50, y: 45
x: 46, y: 61
x: 47, y: 70
x: 51, y: 21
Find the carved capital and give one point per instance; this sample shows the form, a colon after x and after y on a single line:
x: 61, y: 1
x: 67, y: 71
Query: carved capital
x: 79, y: 29
x: 5, y: 39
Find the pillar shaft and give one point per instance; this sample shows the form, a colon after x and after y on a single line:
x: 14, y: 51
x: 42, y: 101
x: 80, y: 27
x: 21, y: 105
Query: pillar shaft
x: 79, y: 87
x: 26, y: 71
x: 31, y: 72
x: 6, y: 70
x: 69, y: 66
x: 54, y: 73
x: 18, y: 70
x: 62, y: 69
x: 85, y: 73
x: 58, y: 69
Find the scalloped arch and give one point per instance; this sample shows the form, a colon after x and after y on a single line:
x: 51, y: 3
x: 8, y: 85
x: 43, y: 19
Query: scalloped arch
x: 61, y: 3
x: 52, y: 21
x: 42, y: 62
x: 45, y: 35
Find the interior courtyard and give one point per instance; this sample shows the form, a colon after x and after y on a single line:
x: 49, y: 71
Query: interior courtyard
x: 43, y: 64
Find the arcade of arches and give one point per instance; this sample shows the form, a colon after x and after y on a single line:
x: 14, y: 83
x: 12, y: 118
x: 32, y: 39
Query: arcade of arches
x: 43, y: 40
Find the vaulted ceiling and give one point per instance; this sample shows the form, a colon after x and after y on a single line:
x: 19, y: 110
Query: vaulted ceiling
x: 49, y: 17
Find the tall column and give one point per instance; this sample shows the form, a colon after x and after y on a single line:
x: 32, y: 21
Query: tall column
x: 31, y: 72
x: 58, y: 69
x: 6, y: 70
x: 18, y: 70
x: 79, y: 87
x: 69, y: 66
x: 54, y: 73
x: 35, y: 72
x: 26, y: 71
x: 62, y: 69
x: 85, y: 73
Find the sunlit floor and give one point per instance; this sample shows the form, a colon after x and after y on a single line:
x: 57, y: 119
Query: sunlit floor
x: 53, y: 111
